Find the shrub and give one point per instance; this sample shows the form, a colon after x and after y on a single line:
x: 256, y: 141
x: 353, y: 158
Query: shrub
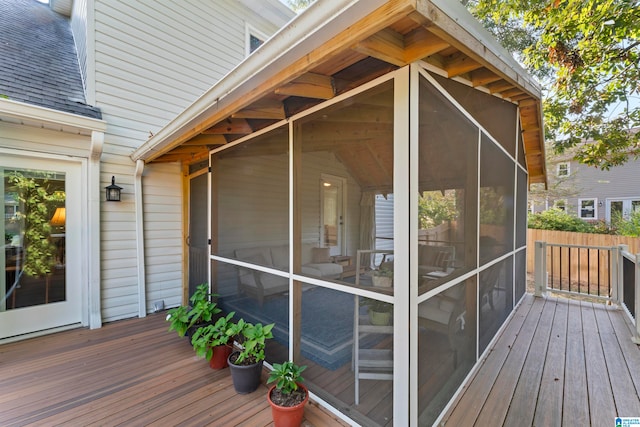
x: 628, y: 227
x: 556, y: 219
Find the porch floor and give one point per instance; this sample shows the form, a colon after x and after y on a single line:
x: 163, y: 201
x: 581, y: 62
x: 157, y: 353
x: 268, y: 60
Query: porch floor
x: 558, y: 362
x: 130, y: 372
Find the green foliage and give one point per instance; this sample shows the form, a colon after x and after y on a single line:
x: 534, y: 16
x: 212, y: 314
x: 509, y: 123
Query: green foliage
x: 212, y: 335
x: 287, y: 375
x: 376, y: 305
x: 556, y: 219
x: 38, y: 204
x: 628, y: 227
x: 179, y: 318
x: 434, y: 208
x: 383, y: 272
x: 586, y: 52
x: 253, y: 339
x: 203, y: 308
x: 201, y: 311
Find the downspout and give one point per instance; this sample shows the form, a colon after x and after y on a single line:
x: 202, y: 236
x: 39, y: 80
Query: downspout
x: 142, y: 285
x: 93, y: 231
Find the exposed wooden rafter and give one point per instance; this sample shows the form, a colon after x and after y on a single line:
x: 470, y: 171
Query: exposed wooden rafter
x: 309, y: 85
x: 230, y: 127
x: 267, y: 109
x: 394, y: 35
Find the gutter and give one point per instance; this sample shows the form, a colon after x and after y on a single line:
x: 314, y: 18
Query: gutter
x: 34, y: 113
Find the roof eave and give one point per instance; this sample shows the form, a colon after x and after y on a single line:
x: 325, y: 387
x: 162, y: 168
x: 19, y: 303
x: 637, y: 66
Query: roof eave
x: 47, y: 116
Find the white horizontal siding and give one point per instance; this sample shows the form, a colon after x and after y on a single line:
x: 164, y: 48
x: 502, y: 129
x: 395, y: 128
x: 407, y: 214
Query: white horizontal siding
x: 163, y: 234
x: 152, y: 59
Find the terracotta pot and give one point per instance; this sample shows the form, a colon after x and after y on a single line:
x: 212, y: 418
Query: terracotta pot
x: 219, y: 359
x: 246, y: 379
x: 290, y: 416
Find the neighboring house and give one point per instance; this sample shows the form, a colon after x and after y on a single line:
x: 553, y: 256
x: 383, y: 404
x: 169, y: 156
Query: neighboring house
x: 588, y: 192
x: 82, y: 85
x: 275, y: 180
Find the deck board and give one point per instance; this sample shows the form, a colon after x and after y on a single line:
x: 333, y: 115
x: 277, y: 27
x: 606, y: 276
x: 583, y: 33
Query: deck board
x: 556, y: 362
x: 548, y: 410
x: 474, y: 397
x: 497, y: 403
x: 626, y: 404
x: 572, y: 379
x: 523, y: 407
x: 130, y: 373
x: 601, y: 403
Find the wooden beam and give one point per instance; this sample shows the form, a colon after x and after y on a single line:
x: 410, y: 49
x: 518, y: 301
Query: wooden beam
x: 386, y: 45
x: 309, y: 85
x: 499, y: 86
x: 482, y: 77
x: 230, y: 126
x: 206, y: 140
x: 421, y: 43
x: 459, y: 64
x: 512, y: 92
x: 266, y: 109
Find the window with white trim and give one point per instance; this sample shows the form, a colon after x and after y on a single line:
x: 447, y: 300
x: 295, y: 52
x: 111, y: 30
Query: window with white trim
x: 587, y: 208
x: 563, y: 169
x: 253, y: 39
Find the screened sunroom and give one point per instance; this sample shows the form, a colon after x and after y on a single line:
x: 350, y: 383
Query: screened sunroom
x: 366, y: 191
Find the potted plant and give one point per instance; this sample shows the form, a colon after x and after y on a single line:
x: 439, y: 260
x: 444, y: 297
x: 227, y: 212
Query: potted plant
x: 380, y: 312
x: 383, y: 277
x: 212, y: 341
x: 287, y: 397
x: 186, y: 320
x: 246, y: 364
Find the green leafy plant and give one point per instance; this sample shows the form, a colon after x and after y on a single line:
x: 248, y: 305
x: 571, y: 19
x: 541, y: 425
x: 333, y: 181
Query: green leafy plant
x: 201, y: 311
x: 203, y: 308
x: 37, y: 205
x: 252, y: 339
x: 628, y: 227
x: 557, y: 219
x: 376, y: 305
x: 286, y: 375
x: 383, y: 272
x: 179, y: 319
x: 210, y: 336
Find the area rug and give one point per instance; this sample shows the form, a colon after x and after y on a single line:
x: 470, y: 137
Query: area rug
x: 327, y: 322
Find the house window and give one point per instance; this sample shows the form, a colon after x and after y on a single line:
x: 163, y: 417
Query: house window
x: 254, y: 39
x: 563, y: 169
x: 561, y: 205
x: 587, y: 208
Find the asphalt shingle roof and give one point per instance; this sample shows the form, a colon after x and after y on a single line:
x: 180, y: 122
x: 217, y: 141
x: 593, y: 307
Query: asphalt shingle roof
x: 38, y: 61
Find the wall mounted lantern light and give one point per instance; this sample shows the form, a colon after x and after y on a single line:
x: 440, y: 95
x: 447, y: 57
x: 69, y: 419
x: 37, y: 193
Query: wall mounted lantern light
x: 113, y: 191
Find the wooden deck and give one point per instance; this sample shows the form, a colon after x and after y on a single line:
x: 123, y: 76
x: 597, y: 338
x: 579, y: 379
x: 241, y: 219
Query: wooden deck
x: 559, y: 362
x: 131, y: 373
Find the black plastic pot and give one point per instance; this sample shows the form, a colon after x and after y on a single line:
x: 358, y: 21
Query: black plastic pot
x: 246, y: 379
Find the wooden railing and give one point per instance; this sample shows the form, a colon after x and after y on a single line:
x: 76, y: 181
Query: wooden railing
x: 610, y: 273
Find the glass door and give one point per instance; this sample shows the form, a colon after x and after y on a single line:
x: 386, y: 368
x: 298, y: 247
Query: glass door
x: 332, y: 214
x: 621, y: 208
x: 40, y: 285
